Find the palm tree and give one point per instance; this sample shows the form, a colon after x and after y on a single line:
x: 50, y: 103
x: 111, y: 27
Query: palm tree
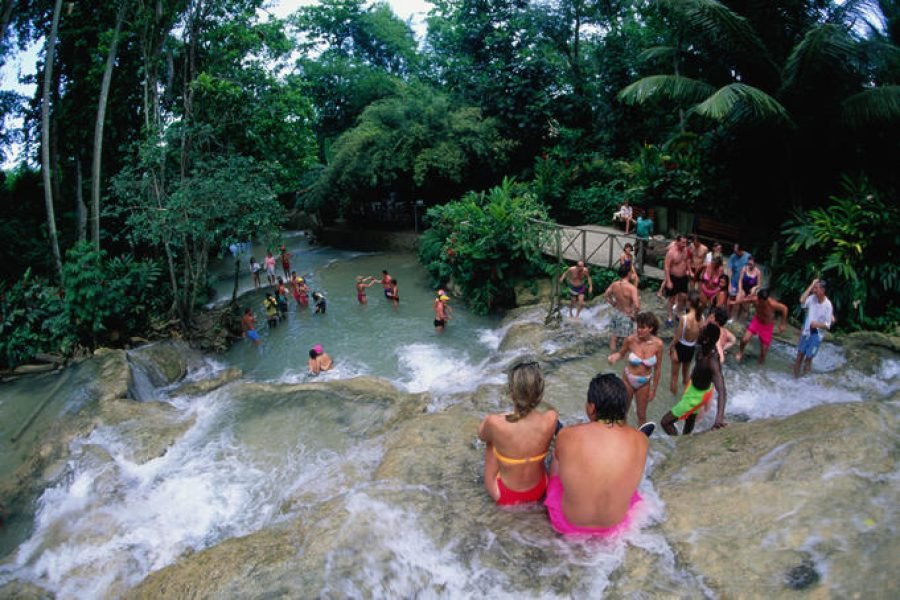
x: 821, y: 84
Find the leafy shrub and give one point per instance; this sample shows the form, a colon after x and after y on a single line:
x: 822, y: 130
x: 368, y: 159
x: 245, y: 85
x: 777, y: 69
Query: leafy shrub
x: 32, y: 320
x: 852, y: 243
x: 485, y: 242
x: 98, y: 295
x: 103, y: 294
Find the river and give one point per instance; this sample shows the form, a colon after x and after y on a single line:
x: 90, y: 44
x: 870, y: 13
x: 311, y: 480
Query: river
x: 363, y: 482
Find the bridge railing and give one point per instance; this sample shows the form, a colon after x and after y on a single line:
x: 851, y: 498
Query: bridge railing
x: 593, y: 247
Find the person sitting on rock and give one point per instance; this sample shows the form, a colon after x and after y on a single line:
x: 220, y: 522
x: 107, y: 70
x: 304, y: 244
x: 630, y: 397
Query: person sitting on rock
x: 517, y: 442
x: 597, y: 466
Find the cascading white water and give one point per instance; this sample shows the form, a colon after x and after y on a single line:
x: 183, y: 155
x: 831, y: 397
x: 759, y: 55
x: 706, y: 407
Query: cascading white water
x: 263, y: 454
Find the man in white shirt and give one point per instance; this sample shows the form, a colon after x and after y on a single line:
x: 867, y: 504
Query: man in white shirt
x: 819, y: 318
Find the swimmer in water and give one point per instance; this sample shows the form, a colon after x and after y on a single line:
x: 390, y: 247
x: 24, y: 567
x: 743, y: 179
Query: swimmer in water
x: 319, y: 360
x: 361, y: 284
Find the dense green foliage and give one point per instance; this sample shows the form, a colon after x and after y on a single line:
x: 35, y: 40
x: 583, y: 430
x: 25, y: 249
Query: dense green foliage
x: 485, y: 243
x: 101, y: 300
x: 852, y: 243
x: 415, y: 143
x: 747, y: 112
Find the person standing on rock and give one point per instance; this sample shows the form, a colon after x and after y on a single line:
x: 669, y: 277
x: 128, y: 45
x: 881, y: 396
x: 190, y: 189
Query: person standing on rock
x: 643, y: 228
x: 575, y: 277
x: 676, y: 281
x: 763, y: 323
x: 597, y: 466
x: 697, y: 252
x: 819, y: 317
x: 644, y: 366
x: 626, y: 303
x: 706, y: 376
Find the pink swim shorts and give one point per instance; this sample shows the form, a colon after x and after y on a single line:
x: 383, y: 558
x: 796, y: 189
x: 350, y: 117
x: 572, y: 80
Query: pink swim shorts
x: 763, y: 331
x: 553, y: 502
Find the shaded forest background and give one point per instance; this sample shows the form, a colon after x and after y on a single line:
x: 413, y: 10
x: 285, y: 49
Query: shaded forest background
x: 162, y: 131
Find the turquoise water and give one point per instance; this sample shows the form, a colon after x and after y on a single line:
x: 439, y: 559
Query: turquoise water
x: 397, y: 343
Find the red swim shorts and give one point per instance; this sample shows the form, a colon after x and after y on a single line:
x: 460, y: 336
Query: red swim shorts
x: 509, y: 497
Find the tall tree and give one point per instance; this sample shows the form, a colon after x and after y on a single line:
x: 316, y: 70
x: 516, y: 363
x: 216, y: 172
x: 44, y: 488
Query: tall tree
x: 99, y: 124
x: 49, y: 54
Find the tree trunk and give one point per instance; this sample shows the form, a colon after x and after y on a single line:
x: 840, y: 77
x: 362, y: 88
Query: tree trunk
x: 5, y: 18
x: 45, y: 138
x: 98, y: 129
x: 80, y: 208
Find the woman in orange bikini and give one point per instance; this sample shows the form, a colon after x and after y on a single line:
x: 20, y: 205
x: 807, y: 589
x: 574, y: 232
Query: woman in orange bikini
x: 517, y: 442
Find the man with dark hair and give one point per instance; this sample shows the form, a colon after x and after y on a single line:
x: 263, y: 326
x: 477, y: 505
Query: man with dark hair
x: 763, y: 323
x: 597, y: 466
x: 626, y: 303
x: 676, y: 278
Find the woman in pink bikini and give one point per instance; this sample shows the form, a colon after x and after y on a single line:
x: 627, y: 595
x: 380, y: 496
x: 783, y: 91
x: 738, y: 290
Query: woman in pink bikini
x: 642, y: 372
x: 709, y: 280
x: 517, y: 442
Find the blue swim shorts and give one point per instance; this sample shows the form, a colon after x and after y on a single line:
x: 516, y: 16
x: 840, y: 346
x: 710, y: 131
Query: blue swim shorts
x: 809, y: 345
x: 252, y: 335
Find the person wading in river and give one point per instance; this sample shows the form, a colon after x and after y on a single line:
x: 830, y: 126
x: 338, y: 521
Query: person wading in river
x: 575, y: 277
x: 763, y: 323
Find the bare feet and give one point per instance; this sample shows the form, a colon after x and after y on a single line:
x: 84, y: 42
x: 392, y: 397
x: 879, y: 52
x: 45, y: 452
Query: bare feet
x: 739, y: 356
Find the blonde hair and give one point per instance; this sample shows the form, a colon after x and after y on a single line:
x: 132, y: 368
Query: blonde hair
x: 526, y: 387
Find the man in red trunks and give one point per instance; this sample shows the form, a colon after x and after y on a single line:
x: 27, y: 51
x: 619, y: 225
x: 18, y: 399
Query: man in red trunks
x: 763, y: 323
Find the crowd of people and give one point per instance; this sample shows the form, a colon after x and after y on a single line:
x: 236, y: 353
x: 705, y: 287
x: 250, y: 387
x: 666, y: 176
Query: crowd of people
x: 595, y: 467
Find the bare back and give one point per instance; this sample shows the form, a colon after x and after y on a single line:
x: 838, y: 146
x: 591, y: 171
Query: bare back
x: 527, y: 438
x: 600, y: 466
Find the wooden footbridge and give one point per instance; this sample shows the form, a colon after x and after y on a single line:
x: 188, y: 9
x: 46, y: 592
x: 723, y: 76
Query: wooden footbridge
x: 596, y: 245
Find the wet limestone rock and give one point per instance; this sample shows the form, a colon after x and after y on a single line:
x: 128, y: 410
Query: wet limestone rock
x: 151, y: 427
x: 866, y: 349
x: 204, y: 386
x: 165, y: 362
x: 113, y: 375
x: 235, y: 568
x: 537, y: 291
x: 778, y: 505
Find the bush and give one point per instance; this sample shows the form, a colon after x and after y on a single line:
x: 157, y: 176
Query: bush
x: 851, y: 242
x: 32, y: 320
x: 107, y: 294
x: 98, y: 295
x: 485, y: 242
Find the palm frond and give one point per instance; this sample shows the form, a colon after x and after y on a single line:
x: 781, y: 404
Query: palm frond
x: 726, y: 27
x: 738, y: 102
x: 875, y: 105
x: 822, y: 48
x: 672, y: 87
x: 660, y: 53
